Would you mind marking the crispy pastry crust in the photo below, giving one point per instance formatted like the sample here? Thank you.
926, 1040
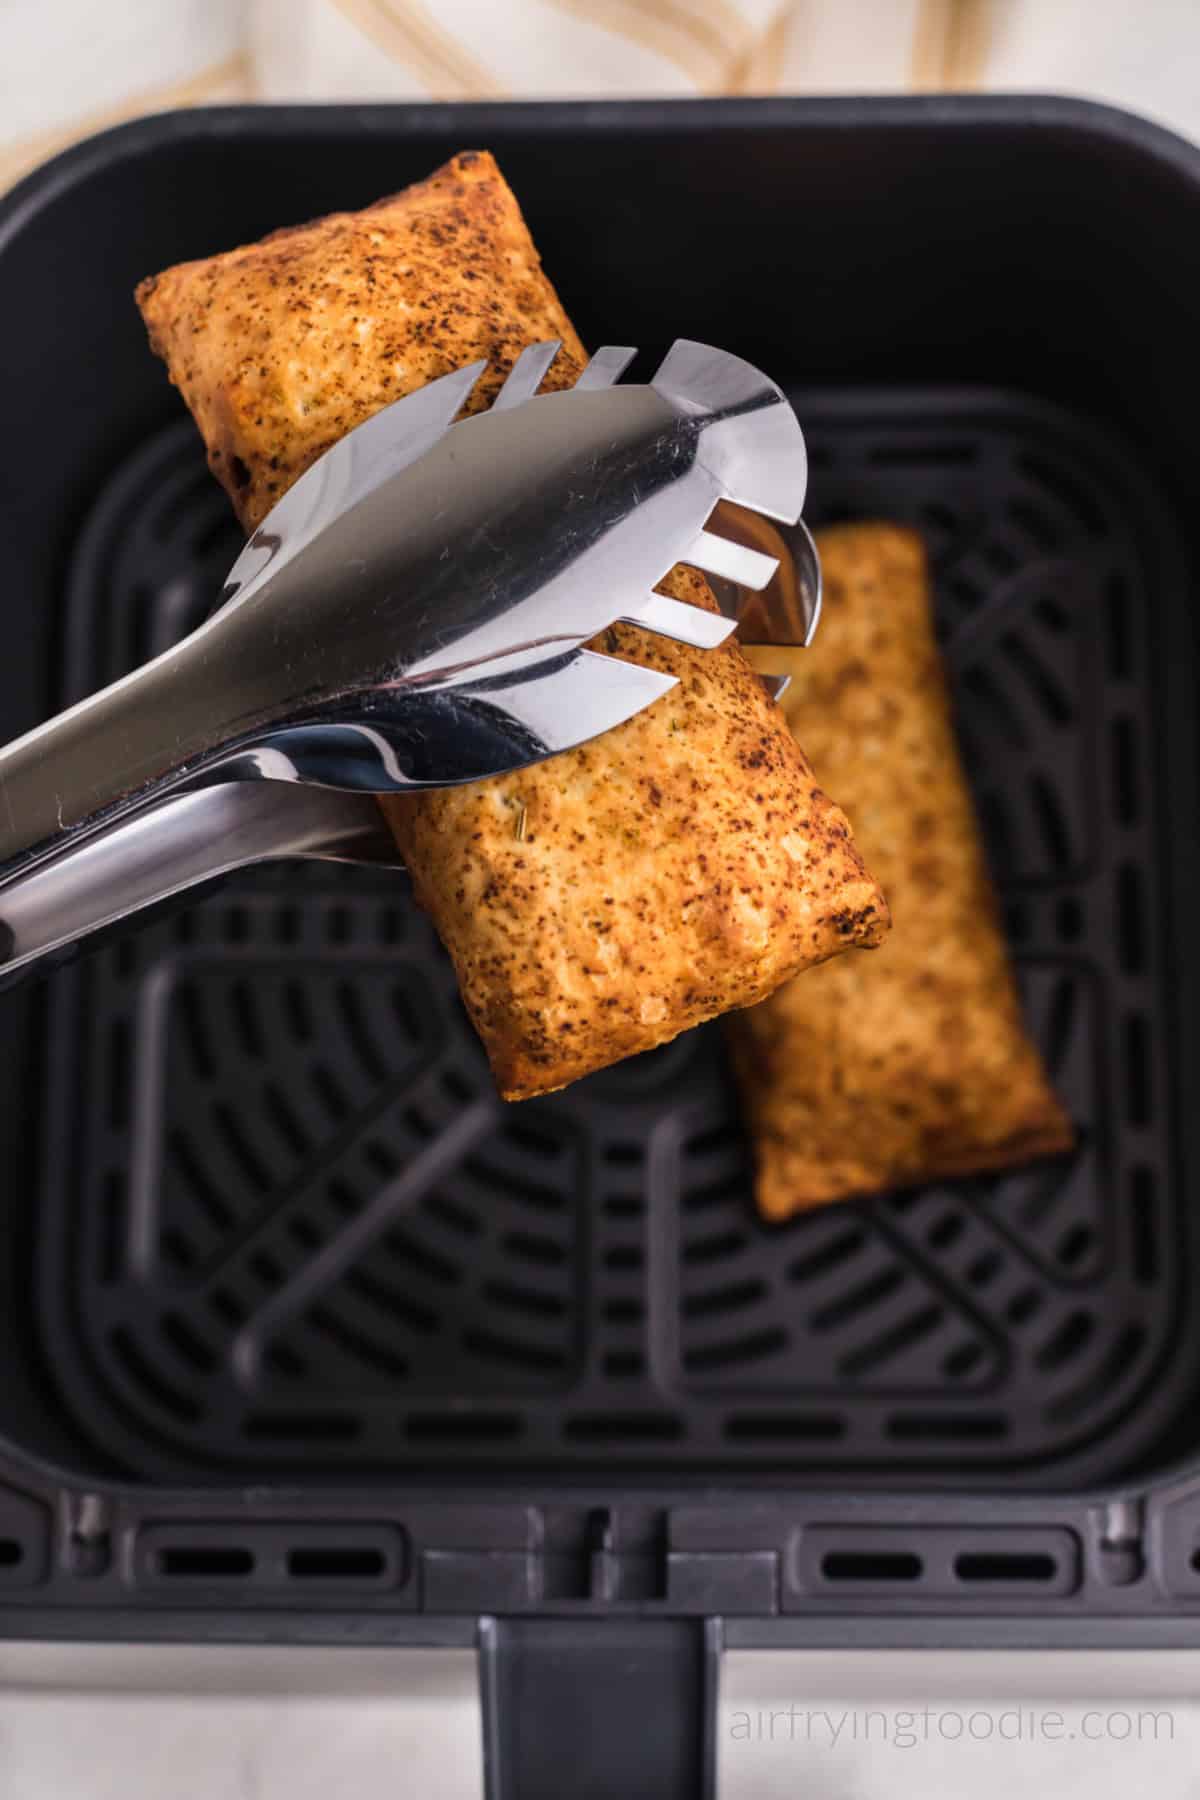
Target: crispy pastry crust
282, 347
913, 1064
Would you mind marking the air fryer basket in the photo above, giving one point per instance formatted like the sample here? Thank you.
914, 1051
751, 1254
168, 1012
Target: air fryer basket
304, 1332
286, 1223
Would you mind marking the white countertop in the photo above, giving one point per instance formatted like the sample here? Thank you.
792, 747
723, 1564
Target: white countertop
177, 1723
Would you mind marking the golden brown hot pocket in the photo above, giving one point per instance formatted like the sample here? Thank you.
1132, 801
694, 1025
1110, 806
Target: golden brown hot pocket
913, 1064
602, 902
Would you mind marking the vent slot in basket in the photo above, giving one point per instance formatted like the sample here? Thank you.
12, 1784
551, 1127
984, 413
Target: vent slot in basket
205, 1562
272, 1555
872, 1565
946, 1564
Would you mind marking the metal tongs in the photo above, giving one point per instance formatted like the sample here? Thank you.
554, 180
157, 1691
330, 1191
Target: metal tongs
412, 614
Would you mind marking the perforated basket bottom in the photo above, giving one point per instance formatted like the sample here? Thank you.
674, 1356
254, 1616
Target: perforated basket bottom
286, 1222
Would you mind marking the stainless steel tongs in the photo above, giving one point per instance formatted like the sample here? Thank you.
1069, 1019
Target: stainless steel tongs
413, 613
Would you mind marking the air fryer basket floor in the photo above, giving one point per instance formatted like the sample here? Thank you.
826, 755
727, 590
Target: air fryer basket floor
286, 1224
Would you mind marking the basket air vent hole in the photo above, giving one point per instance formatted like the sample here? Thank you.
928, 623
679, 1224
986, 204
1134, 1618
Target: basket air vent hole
963, 1427
381, 1161
872, 1565
1016, 921
211, 1562
623, 1156
1022, 1307
1126, 786
601, 1427
12, 1553
1145, 1237
750, 1348
818, 1262
781, 1427
1117, 611
336, 1563
455, 1217
237, 925
984, 1268
1068, 918
730, 1298
298, 1012
341, 1196
1074, 1245
287, 925
242, 1153
1060, 1026
1131, 920
461, 1427
623, 1258
1072, 1336
227, 1307
946, 1231
283, 1115
330, 1092
624, 1310
720, 1137
111, 1237
534, 1142
456, 1087
708, 1196
1137, 1070
303, 1232
405, 1248
1005, 1565
1039, 680
517, 1353
1052, 614
1052, 823
624, 1206
389, 925
715, 1248
532, 1247
264, 1265
516, 1297
301, 1428
959, 1362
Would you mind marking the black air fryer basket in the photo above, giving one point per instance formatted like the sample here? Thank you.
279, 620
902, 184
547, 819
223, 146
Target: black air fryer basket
305, 1334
